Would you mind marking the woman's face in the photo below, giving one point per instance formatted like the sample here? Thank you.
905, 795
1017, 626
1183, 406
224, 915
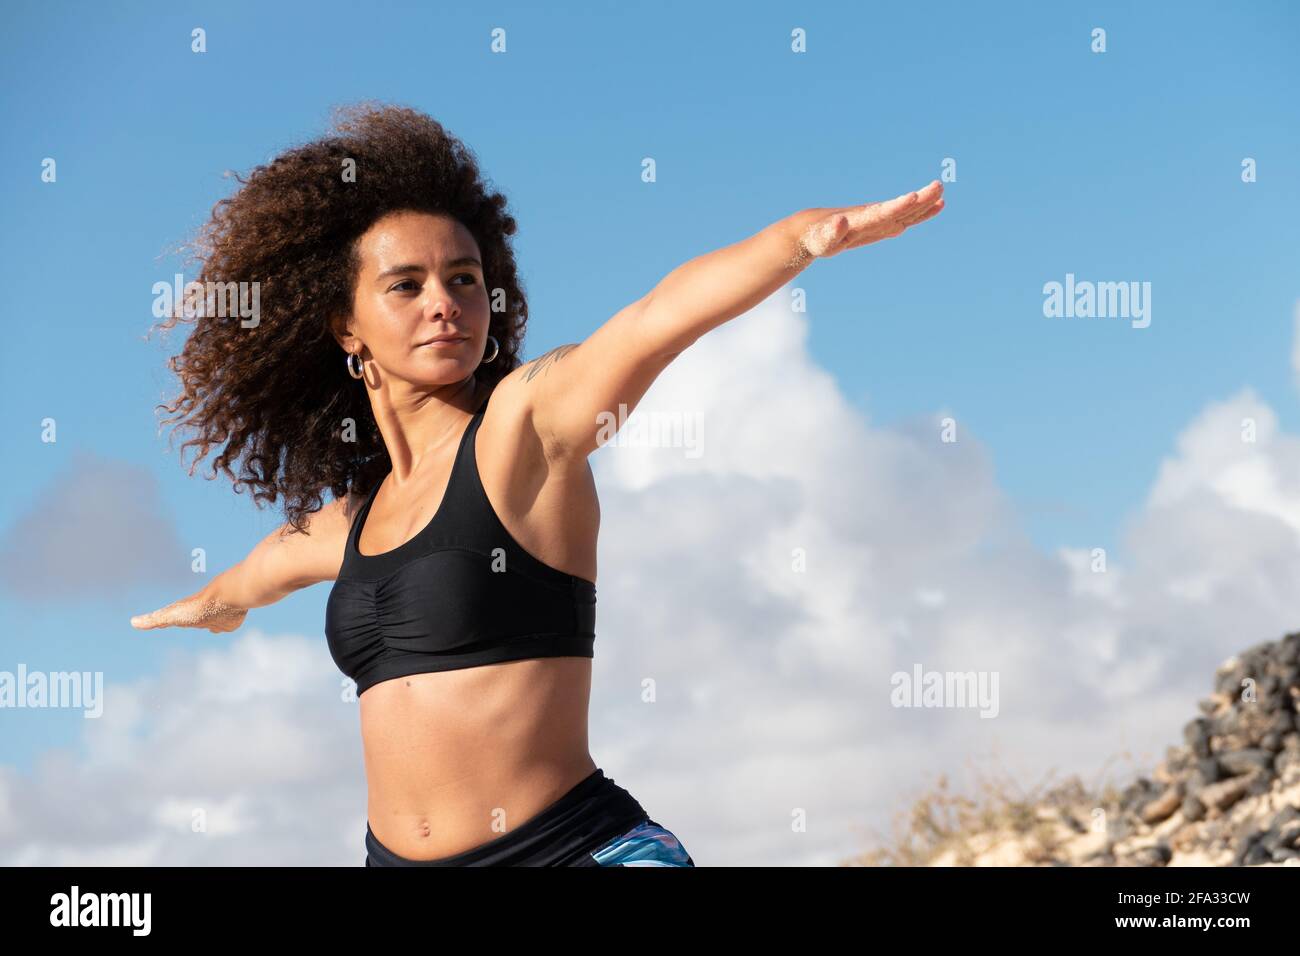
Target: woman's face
420, 277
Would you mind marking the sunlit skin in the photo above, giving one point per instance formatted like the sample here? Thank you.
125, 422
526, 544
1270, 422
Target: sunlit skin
442, 750
420, 277
446, 753
855, 226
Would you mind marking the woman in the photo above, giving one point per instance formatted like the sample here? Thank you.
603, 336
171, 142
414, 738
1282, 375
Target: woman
461, 538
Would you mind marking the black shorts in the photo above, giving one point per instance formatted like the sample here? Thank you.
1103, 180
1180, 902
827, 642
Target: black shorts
597, 823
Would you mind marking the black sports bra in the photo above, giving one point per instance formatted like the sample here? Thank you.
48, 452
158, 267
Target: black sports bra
461, 593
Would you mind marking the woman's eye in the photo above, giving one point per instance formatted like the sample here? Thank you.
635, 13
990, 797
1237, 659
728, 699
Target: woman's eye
413, 284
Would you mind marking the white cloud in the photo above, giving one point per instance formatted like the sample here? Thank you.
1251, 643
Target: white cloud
251, 735
96, 530
773, 685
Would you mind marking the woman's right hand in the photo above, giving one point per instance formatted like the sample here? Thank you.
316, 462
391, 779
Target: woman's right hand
201, 609
282, 563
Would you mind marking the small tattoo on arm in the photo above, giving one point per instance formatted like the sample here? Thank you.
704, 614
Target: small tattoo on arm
543, 362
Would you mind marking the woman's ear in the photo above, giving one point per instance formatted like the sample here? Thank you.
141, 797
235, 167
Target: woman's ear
340, 329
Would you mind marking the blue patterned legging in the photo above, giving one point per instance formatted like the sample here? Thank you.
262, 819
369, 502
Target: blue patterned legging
647, 844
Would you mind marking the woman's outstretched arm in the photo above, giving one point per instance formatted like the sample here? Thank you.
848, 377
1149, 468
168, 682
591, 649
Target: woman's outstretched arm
569, 388
281, 563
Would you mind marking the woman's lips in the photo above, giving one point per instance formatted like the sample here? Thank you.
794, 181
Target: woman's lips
443, 343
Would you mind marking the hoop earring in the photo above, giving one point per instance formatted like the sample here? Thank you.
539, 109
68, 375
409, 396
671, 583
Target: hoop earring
495, 349
359, 370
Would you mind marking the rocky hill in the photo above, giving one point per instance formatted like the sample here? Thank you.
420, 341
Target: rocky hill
1228, 795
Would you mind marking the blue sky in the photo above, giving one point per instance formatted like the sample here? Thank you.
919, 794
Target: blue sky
1115, 167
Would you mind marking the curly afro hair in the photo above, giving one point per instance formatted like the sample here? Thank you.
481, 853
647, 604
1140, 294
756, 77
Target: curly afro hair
277, 395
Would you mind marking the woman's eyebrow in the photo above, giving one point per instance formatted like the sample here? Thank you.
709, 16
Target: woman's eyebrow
413, 267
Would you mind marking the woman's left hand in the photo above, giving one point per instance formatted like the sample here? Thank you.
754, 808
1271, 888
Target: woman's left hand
853, 226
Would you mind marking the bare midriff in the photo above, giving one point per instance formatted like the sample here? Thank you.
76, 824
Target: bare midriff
455, 759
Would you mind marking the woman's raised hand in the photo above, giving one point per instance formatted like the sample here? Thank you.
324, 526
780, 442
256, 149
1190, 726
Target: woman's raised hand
200, 609
853, 226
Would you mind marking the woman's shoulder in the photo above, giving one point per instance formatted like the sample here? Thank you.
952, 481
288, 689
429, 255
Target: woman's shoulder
548, 505
511, 405
511, 451
336, 516
507, 423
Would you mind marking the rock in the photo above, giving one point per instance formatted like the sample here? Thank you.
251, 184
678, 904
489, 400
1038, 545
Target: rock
1260, 785
1137, 795
1230, 742
1252, 854
1197, 735
1229, 667
1100, 858
1281, 837
1281, 722
1163, 806
1228, 685
1285, 817
1072, 821
1258, 651
1227, 722
1238, 762
1228, 794
1193, 809
1288, 650
1207, 772
1158, 854
1214, 704
1179, 761
1220, 796
1284, 761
